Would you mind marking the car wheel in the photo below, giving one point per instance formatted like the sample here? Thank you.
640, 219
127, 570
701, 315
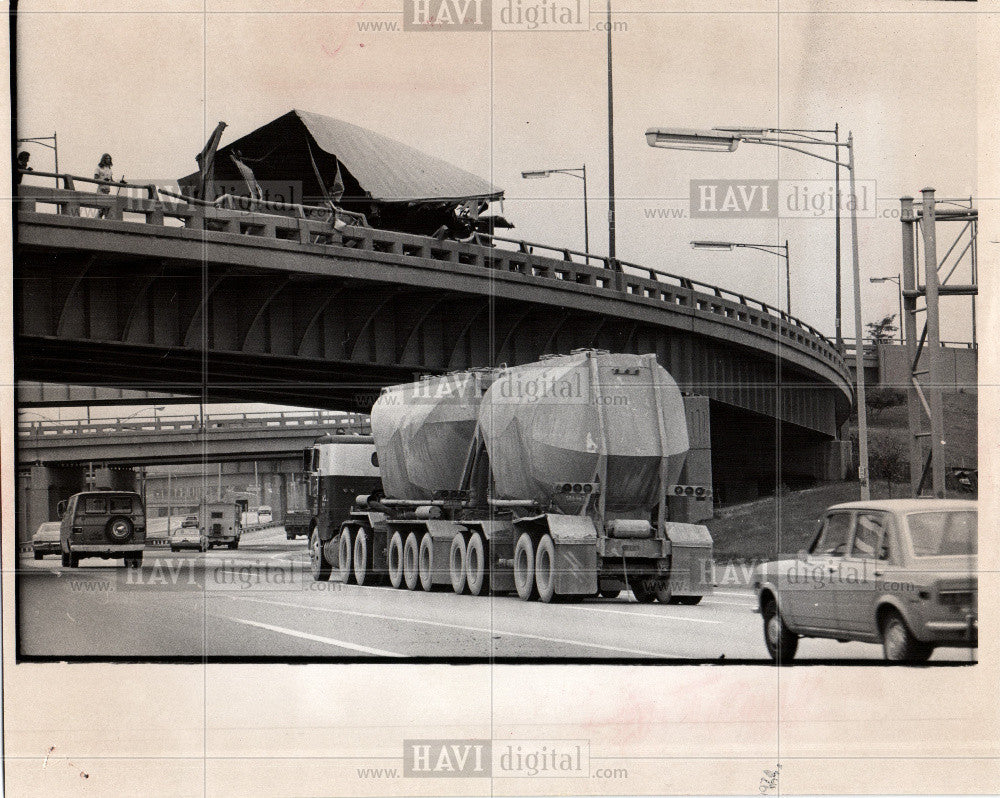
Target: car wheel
74, 560
781, 643
65, 559
38, 555
898, 642
320, 566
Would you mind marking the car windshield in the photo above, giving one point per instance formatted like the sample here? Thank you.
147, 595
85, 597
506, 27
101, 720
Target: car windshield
936, 534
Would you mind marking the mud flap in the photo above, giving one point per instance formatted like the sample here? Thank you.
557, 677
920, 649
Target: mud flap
441, 534
690, 558
575, 539
500, 540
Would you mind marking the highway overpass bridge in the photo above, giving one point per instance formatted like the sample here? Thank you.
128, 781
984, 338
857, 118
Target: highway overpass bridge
229, 305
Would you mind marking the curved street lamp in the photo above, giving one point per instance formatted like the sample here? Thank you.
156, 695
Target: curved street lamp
801, 141
579, 172
781, 250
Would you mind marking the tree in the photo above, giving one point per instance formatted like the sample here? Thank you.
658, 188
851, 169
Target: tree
883, 331
886, 459
878, 399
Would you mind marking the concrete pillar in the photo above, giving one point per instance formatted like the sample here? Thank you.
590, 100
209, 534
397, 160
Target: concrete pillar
46, 487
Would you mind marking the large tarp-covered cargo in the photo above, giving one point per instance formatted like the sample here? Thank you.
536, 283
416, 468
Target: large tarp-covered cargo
550, 422
422, 434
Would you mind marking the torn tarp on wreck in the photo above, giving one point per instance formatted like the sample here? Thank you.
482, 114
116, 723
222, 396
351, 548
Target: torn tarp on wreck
395, 186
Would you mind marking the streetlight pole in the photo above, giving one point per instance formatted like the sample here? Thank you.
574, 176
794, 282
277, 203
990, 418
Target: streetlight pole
781, 250
579, 172
801, 141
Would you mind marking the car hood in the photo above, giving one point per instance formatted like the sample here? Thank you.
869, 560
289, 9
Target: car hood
951, 565
46, 536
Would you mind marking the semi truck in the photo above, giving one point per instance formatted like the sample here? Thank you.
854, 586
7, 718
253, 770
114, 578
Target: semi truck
549, 480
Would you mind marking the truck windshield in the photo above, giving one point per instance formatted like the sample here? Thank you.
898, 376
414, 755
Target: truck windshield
936, 534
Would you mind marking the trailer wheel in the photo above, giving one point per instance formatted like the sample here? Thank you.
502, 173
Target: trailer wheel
477, 569
524, 568
458, 562
545, 568
317, 560
425, 563
610, 592
411, 557
396, 560
345, 548
362, 569
644, 590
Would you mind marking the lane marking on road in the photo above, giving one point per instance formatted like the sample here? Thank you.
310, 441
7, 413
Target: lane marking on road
315, 638
485, 630
641, 614
750, 603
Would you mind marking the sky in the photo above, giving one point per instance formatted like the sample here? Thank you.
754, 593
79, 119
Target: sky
150, 87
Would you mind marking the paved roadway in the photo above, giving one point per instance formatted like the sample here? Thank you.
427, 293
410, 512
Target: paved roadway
260, 601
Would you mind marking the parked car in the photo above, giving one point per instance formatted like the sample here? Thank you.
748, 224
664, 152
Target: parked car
900, 572
46, 539
191, 520
110, 524
188, 537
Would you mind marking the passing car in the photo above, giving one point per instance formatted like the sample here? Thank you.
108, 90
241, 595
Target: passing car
188, 536
900, 572
110, 524
46, 539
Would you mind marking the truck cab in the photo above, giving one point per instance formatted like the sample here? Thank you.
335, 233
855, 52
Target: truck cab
109, 524
221, 523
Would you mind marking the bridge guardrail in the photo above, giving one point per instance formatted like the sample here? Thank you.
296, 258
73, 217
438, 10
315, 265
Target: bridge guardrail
192, 423
492, 252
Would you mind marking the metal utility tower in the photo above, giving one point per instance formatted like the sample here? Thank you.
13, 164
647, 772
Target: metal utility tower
920, 220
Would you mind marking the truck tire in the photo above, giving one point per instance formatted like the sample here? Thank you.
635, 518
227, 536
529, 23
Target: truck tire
458, 563
411, 557
477, 565
545, 569
524, 568
318, 563
362, 557
664, 594
644, 589
396, 560
345, 548
688, 600
425, 563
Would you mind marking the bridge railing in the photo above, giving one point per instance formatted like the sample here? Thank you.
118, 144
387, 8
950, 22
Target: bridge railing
320, 421
498, 253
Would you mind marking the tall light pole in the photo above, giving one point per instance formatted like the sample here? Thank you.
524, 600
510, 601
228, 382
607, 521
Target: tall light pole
781, 250
801, 141
44, 142
898, 280
579, 172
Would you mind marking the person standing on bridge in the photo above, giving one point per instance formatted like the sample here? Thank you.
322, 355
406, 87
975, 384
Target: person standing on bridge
103, 174
22, 164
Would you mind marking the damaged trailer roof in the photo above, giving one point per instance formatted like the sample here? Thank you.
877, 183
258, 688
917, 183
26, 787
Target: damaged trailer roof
373, 166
